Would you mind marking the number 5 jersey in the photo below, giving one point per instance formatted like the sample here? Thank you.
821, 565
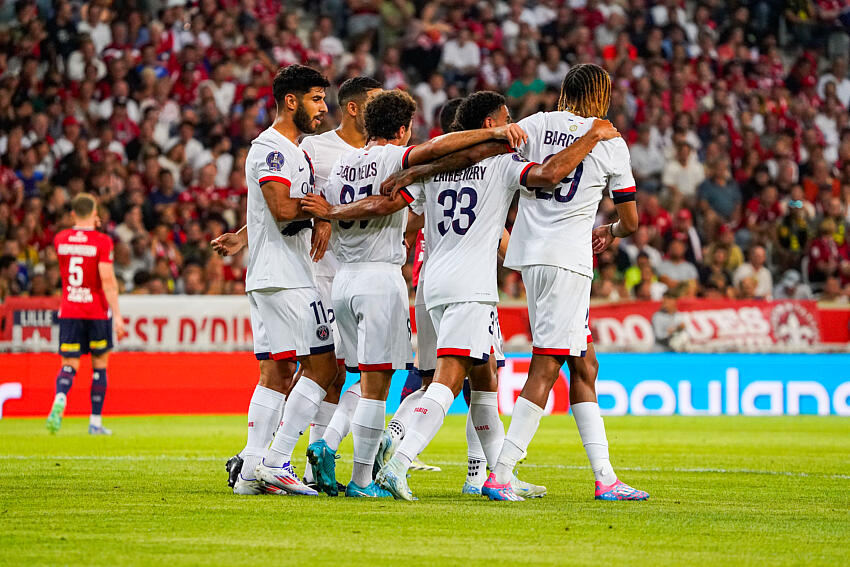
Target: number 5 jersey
80, 250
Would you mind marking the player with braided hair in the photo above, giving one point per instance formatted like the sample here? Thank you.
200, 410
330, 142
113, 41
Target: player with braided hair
552, 244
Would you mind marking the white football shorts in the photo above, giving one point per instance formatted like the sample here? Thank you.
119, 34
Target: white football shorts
373, 316
324, 285
465, 329
426, 336
558, 310
289, 323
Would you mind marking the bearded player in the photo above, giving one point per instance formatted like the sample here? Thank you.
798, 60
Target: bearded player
324, 150
89, 292
288, 319
557, 276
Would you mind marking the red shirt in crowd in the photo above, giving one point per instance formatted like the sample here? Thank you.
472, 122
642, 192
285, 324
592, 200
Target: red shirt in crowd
80, 252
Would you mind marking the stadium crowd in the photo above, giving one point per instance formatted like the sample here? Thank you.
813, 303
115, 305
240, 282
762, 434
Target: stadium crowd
736, 114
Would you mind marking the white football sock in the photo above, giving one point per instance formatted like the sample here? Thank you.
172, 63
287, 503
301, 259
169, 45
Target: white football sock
428, 417
367, 425
592, 431
524, 422
263, 419
476, 461
317, 431
96, 420
401, 420
484, 410
302, 404
340, 423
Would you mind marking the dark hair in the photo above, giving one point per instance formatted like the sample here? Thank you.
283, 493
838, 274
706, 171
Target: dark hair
586, 91
355, 89
83, 205
297, 80
447, 114
388, 112
7, 260
475, 109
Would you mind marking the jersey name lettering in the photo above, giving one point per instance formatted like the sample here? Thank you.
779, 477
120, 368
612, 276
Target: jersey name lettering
555, 138
472, 172
352, 174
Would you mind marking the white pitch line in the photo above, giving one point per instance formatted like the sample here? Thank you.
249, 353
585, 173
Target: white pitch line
181, 458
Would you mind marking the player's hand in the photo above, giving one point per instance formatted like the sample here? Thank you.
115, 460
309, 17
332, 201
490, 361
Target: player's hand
227, 244
316, 205
396, 182
602, 238
120, 328
604, 129
512, 133
320, 239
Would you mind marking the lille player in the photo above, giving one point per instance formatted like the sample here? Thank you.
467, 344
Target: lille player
89, 292
370, 296
557, 277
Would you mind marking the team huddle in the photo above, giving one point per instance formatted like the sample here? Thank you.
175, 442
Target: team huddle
328, 226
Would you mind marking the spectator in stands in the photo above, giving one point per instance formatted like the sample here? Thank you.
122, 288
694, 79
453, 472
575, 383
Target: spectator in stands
683, 227
668, 325
647, 161
639, 244
757, 270
681, 176
791, 287
676, 272
719, 195
832, 292
825, 259
714, 274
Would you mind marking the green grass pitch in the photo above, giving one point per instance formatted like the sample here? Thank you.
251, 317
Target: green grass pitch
725, 491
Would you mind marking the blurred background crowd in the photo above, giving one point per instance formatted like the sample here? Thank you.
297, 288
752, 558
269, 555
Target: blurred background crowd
736, 115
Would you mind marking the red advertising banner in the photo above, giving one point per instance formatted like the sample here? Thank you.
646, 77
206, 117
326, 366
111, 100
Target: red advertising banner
222, 323
711, 326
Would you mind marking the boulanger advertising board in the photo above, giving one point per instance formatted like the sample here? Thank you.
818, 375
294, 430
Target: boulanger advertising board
629, 384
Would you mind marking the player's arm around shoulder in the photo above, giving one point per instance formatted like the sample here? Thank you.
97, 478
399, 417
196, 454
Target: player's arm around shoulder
553, 170
455, 141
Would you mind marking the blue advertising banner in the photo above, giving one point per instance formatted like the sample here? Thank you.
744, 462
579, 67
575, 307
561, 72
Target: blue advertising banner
692, 384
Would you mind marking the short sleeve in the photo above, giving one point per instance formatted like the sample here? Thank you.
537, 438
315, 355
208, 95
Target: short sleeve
621, 180
104, 250
414, 194
272, 165
531, 126
511, 171
331, 189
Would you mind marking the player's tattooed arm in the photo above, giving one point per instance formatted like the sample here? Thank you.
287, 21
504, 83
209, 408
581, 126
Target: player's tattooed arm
553, 170
456, 141
367, 208
452, 162
230, 243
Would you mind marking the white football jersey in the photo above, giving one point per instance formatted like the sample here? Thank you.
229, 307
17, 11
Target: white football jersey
324, 150
355, 176
554, 226
278, 252
465, 213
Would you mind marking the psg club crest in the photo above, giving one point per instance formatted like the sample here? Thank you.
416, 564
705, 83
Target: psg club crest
518, 157
275, 161
323, 332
